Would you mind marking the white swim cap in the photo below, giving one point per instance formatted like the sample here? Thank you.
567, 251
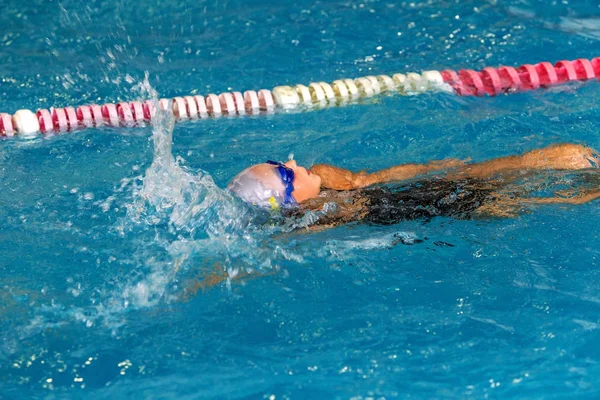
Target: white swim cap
259, 185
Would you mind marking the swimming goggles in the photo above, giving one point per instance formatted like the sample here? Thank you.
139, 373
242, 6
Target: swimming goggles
287, 177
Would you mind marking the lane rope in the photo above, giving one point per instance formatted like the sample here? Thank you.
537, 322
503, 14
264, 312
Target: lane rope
489, 81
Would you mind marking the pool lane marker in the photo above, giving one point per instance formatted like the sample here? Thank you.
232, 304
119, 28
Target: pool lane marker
489, 81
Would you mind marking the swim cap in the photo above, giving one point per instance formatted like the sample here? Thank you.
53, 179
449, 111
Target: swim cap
260, 187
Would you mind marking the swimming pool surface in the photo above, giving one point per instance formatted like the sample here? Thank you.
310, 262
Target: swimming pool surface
103, 252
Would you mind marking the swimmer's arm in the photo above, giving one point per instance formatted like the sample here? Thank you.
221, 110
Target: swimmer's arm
565, 156
218, 276
343, 179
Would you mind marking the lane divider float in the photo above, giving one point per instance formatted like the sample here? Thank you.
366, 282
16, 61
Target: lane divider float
489, 81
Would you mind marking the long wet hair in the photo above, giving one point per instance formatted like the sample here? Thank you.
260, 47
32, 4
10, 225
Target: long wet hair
390, 204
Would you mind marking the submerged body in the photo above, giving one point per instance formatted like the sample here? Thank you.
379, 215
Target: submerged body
327, 196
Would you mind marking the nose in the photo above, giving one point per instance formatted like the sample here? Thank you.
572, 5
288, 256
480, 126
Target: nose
291, 164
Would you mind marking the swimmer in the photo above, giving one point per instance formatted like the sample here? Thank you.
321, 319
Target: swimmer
451, 188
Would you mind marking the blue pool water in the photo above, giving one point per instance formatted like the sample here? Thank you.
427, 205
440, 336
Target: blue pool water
103, 252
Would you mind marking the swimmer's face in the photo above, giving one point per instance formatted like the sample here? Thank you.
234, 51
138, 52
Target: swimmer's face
306, 184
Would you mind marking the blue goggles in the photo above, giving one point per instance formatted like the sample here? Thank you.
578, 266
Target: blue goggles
287, 177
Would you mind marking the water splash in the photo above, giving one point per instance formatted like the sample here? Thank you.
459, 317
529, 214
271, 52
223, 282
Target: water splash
188, 201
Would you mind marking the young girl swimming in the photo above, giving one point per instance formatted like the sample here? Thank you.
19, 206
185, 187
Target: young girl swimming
458, 189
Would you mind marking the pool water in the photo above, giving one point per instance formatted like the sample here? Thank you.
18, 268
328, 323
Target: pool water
116, 248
